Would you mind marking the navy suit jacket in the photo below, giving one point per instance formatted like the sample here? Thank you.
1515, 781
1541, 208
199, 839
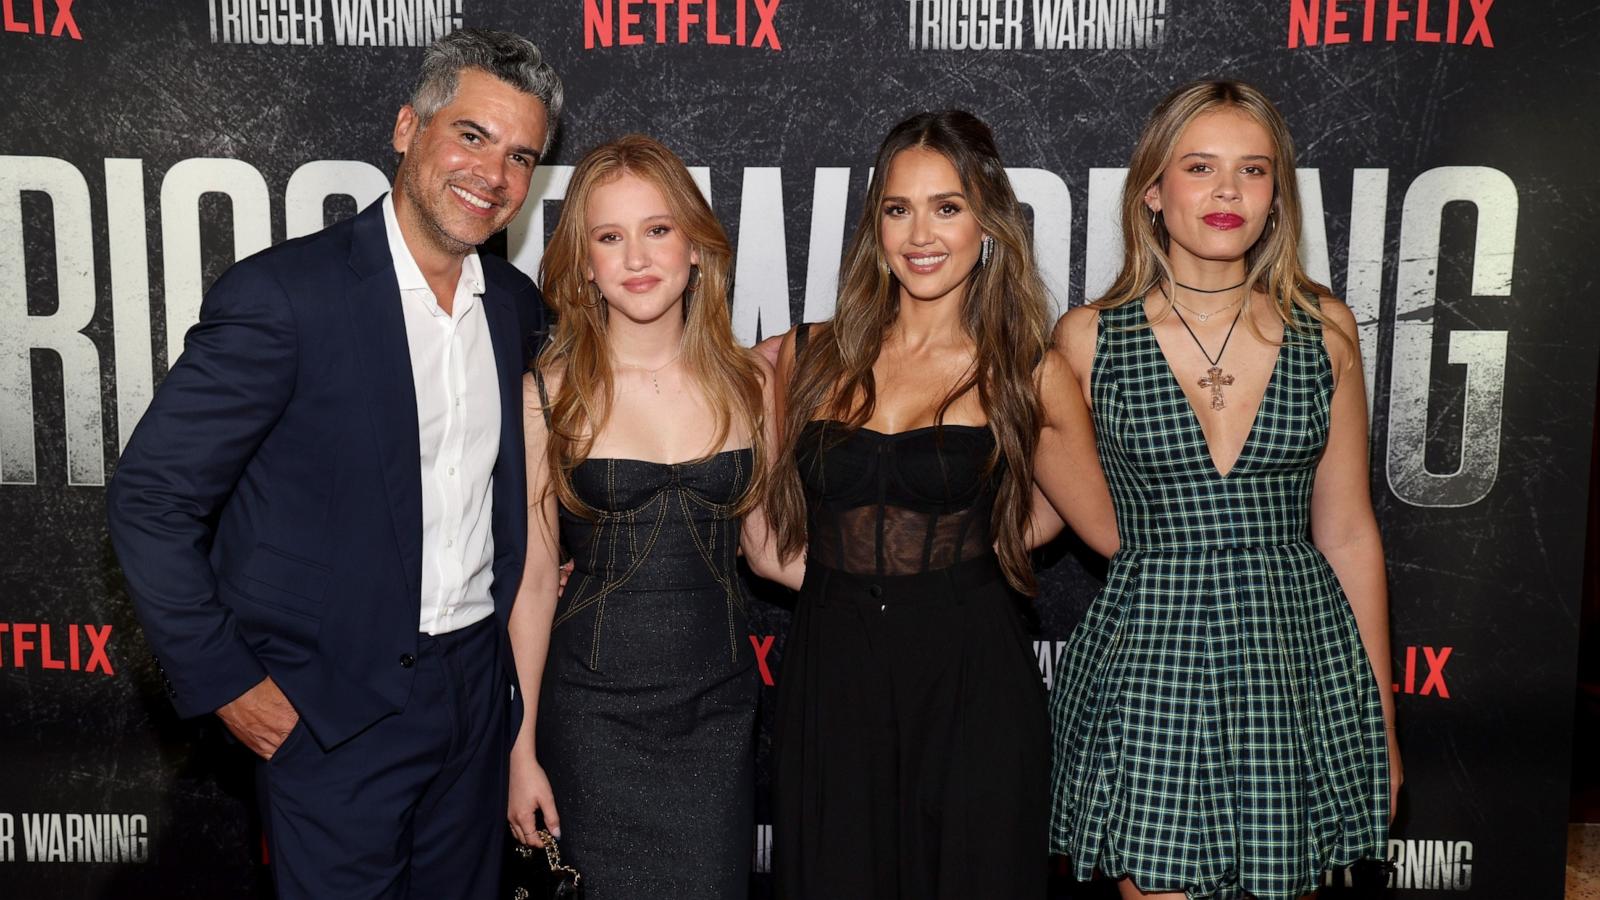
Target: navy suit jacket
267, 511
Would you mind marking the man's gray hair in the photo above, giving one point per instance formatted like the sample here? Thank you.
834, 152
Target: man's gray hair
509, 57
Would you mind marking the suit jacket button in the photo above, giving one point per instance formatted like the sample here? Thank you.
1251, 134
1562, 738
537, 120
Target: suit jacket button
407, 660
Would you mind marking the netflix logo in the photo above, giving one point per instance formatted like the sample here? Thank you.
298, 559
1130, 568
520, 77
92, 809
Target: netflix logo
29, 17
719, 23
763, 644
1463, 22
1411, 679
71, 648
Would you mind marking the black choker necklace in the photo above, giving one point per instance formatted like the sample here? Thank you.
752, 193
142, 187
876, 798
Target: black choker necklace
1231, 287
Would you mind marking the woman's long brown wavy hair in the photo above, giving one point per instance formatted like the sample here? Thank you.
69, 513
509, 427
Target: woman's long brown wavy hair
1006, 312
1272, 264
578, 350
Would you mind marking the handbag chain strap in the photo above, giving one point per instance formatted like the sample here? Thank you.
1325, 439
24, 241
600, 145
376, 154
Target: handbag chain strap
552, 856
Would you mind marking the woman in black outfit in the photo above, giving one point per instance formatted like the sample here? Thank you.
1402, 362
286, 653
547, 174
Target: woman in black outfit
912, 744
648, 435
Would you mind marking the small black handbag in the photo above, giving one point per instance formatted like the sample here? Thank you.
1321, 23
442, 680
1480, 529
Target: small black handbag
534, 874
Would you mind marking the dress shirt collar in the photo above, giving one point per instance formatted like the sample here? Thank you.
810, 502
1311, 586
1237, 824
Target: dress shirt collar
406, 271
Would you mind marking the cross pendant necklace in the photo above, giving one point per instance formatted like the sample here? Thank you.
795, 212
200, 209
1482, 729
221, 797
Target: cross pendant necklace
1214, 380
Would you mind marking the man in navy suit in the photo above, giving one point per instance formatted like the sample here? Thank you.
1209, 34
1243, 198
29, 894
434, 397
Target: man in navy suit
322, 517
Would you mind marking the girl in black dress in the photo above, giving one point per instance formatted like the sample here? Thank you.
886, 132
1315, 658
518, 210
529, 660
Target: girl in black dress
646, 434
912, 744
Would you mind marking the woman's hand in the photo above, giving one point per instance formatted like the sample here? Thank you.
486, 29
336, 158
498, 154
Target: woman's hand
769, 348
530, 794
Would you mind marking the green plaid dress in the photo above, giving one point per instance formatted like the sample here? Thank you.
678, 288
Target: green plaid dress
1217, 725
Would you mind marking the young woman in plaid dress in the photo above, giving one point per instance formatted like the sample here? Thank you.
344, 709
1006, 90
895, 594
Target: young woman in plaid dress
1222, 728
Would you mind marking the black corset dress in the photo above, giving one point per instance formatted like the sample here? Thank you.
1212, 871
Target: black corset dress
912, 745
647, 708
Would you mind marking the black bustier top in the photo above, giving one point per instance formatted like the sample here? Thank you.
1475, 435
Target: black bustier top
897, 504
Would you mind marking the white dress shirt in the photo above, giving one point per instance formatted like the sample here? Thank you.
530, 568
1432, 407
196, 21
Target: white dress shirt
458, 416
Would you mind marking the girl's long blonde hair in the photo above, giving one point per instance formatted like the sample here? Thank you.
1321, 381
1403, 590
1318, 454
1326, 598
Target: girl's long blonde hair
578, 350
1272, 264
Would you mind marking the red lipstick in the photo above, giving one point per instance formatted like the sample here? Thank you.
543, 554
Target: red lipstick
1224, 221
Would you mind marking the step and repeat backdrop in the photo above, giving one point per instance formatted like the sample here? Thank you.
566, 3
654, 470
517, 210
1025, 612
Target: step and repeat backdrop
1451, 198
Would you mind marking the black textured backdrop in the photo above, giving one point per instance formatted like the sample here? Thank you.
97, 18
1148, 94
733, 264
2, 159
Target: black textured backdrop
1485, 351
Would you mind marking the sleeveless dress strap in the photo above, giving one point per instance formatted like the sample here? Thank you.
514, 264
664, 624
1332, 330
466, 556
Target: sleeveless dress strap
544, 394
801, 333
1118, 325
1304, 323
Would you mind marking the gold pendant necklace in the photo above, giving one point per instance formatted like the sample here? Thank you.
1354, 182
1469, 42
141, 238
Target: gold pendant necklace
657, 370
1205, 317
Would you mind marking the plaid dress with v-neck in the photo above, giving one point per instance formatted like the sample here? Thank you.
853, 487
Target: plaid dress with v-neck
1218, 729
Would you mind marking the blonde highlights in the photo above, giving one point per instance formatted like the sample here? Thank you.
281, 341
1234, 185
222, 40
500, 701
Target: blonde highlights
578, 350
1272, 264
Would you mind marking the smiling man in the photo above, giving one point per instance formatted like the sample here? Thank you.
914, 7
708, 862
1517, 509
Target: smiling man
322, 516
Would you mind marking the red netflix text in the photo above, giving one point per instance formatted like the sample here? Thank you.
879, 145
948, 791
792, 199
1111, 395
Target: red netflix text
763, 645
1408, 672
1424, 21
28, 17
73, 648
630, 23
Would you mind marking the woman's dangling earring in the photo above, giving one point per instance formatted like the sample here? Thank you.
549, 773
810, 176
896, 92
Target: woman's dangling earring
599, 298
987, 249
1154, 215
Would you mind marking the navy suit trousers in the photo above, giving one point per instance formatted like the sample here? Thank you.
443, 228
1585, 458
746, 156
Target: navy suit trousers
412, 807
